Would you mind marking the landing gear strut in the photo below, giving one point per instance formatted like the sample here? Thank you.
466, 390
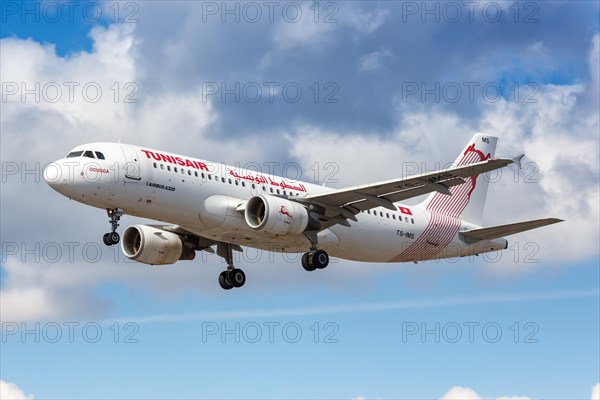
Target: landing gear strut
232, 277
314, 259
112, 237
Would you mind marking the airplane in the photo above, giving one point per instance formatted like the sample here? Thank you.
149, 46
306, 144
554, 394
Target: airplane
204, 205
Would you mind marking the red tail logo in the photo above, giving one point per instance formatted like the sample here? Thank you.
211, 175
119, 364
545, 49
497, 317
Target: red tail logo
482, 157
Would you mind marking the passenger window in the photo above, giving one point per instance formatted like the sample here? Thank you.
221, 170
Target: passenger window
175, 169
271, 190
229, 180
381, 213
405, 219
209, 177
162, 166
253, 186
75, 154
278, 192
89, 154
264, 189
368, 211
387, 215
243, 184
100, 155
412, 220
223, 179
196, 174
393, 216
201, 174
154, 165
168, 168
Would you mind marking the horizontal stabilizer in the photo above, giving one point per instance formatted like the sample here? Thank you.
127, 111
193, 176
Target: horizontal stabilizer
495, 232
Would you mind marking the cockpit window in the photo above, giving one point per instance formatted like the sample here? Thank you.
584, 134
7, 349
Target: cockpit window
100, 155
89, 153
75, 154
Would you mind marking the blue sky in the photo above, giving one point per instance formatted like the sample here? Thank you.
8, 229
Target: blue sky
378, 84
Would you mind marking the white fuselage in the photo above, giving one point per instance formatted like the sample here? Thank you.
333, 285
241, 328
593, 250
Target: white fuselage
201, 197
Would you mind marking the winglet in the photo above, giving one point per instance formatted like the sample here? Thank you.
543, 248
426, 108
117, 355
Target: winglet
518, 159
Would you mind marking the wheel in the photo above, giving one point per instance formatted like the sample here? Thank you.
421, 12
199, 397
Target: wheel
320, 259
224, 281
306, 262
237, 277
114, 237
106, 239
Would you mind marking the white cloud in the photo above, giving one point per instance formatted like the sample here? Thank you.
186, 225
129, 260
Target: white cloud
464, 393
374, 61
596, 392
460, 393
369, 21
10, 391
303, 31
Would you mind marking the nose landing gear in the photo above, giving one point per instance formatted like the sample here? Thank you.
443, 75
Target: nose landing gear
112, 237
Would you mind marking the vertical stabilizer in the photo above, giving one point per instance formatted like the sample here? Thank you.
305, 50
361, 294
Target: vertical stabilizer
468, 199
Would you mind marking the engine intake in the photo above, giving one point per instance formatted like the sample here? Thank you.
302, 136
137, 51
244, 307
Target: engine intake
277, 216
154, 246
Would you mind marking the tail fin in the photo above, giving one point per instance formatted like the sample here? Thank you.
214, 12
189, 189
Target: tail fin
467, 199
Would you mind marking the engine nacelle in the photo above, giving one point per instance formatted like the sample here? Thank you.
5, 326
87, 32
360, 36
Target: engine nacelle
154, 246
275, 215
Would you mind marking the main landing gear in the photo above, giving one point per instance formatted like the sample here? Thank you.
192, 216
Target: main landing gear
232, 277
317, 259
112, 237
314, 259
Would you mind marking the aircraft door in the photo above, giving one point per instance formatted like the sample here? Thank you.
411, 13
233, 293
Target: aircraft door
132, 163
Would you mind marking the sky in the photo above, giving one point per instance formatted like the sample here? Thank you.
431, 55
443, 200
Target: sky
346, 93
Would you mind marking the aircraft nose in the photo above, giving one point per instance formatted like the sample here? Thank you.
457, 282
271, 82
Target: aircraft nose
55, 175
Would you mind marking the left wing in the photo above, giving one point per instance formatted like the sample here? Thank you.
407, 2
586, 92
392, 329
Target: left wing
344, 204
495, 232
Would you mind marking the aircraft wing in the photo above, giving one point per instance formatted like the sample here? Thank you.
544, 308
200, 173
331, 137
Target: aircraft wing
345, 203
495, 232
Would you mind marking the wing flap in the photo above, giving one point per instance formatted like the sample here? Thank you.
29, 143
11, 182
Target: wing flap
495, 232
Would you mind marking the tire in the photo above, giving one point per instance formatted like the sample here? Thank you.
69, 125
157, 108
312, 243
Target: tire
106, 239
237, 278
114, 237
306, 262
320, 259
224, 281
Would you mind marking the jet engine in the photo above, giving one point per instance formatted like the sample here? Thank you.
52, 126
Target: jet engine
277, 216
154, 246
